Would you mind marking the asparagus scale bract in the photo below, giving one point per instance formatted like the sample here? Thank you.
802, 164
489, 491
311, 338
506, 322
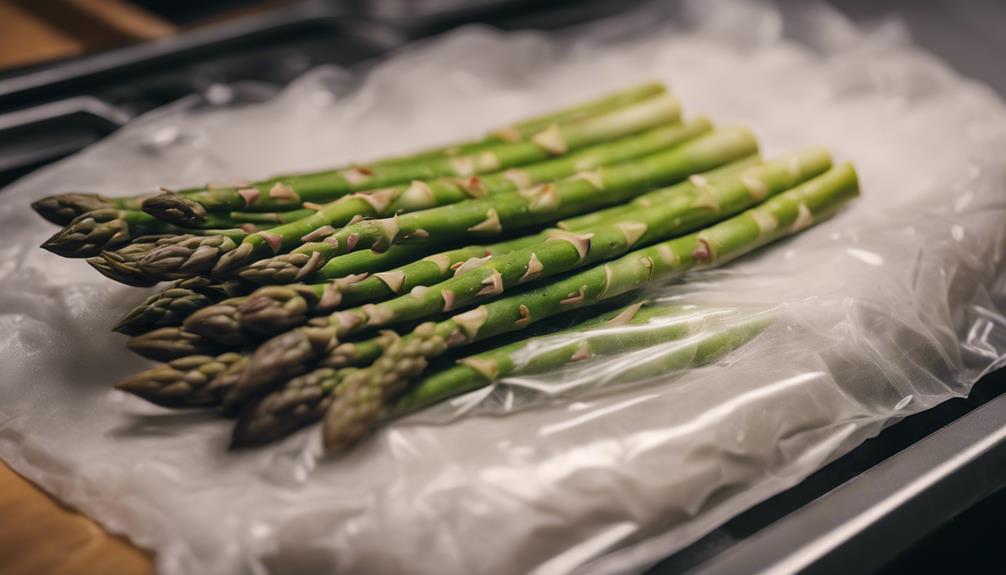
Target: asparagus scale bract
362, 396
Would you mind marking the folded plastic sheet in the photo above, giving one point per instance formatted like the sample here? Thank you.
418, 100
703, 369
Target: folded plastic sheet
891, 307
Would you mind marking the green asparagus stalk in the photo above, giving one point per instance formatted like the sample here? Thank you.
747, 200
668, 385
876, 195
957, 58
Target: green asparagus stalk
306, 259
416, 196
512, 211
273, 310
527, 128
555, 140
288, 270
278, 308
63, 208
701, 344
360, 399
303, 399
173, 304
91, 233
692, 205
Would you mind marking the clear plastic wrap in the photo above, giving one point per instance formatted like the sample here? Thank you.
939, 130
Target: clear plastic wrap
889, 308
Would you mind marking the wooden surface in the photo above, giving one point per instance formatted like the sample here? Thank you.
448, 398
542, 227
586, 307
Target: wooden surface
38, 536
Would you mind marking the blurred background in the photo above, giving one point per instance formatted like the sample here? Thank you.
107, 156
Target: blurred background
73, 71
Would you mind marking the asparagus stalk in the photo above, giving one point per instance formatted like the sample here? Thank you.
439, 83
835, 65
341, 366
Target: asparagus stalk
278, 195
512, 211
273, 310
63, 208
700, 344
309, 257
173, 304
691, 205
419, 195
288, 270
107, 229
360, 399
276, 308
527, 128
303, 399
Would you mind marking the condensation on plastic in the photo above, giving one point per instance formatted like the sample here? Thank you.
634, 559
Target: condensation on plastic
891, 307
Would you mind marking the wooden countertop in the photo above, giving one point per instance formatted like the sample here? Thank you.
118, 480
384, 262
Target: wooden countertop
40, 536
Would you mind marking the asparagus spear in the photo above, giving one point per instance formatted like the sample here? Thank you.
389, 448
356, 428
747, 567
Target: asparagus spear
174, 303
418, 195
511, 211
309, 257
107, 229
287, 270
701, 345
691, 205
286, 355
528, 128
62, 208
360, 399
303, 399
557, 139
272, 310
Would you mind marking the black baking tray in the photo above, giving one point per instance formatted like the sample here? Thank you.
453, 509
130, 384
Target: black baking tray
861, 510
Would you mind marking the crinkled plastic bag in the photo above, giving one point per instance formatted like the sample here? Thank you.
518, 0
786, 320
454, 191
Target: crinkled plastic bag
891, 307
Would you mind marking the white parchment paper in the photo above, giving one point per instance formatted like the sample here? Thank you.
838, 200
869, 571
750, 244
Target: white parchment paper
891, 307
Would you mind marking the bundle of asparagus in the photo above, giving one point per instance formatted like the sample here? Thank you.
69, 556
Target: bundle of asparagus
362, 293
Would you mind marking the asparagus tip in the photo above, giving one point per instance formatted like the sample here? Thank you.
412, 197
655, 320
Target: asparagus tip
61, 209
120, 269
